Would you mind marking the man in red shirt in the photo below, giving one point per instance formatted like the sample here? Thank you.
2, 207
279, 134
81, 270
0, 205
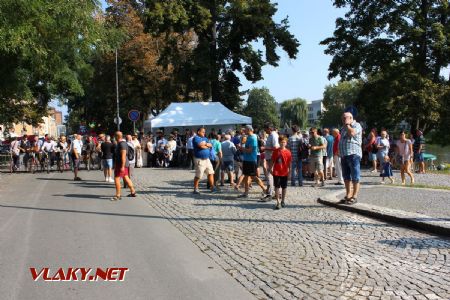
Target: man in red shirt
336, 157
280, 169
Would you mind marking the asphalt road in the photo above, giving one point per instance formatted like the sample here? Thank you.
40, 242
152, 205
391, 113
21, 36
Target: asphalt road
51, 221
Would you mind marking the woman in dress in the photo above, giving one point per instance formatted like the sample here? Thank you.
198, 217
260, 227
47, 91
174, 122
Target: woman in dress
137, 151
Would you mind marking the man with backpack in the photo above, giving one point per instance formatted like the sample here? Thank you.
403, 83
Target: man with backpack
121, 167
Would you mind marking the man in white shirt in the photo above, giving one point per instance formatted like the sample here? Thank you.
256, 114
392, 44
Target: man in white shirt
49, 147
76, 147
271, 145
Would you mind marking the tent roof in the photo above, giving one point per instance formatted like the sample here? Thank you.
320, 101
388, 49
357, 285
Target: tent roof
197, 114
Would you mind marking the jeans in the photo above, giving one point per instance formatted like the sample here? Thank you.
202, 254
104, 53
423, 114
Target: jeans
351, 167
296, 167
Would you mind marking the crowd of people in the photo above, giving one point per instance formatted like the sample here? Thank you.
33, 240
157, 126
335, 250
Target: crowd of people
244, 156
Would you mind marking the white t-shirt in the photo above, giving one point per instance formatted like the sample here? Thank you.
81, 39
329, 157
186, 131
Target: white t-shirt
49, 146
272, 142
131, 145
77, 145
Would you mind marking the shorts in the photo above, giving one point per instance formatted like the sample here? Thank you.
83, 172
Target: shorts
227, 166
280, 181
76, 162
315, 164
372, 156
249, 168
203, 166
118, 173
330, 163
107, 163
418, 157
351, 167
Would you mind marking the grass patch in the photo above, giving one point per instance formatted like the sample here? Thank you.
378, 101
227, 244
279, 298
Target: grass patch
424, 186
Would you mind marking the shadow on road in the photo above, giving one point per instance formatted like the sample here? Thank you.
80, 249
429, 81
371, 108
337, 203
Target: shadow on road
416, 243
84, 196
178, 219
257, 205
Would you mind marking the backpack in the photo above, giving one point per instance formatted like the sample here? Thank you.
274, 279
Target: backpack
303, 150
130, 153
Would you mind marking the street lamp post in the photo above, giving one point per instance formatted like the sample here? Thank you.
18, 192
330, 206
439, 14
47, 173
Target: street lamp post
117, 96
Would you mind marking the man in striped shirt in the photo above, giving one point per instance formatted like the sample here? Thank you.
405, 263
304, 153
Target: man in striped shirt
350, 152
296, 167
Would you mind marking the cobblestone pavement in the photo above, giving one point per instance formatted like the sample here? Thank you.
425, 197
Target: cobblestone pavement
305, 250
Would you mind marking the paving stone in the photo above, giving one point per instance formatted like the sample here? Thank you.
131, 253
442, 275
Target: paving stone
304, 251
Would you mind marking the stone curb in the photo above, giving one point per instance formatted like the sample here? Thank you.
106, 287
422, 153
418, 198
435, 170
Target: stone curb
412, 220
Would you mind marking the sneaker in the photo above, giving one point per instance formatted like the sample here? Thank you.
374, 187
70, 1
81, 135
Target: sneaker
382, 182
196, 192
277, 206
339, 183
316, 184
111, 180
265, 198
283, 204
243, 196
77, 179
322, 183
215, 191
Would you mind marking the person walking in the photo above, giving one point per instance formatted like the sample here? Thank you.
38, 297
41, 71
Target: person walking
350, 152
419, 149
190, 150
107, 150
202, 149
249, 164
271, 145
293, 145
336, 158
131, 158
282, 161
405, 151
386, 170
217, 162
372, 149
137, 151
121, 167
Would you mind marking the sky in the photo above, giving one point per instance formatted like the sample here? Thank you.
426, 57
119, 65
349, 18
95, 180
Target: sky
311, 21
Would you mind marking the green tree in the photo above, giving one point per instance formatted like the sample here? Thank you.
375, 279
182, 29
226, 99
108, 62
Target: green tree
262, 107
294, 112
44, 52
401, 49
336, 98
225, 32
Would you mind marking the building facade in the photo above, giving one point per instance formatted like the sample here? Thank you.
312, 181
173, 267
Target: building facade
315, 110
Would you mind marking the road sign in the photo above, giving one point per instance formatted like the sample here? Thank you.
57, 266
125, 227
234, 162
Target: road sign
134, 115
120, 120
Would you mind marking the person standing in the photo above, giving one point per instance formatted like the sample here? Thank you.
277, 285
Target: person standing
107, 150
293, 145
190, 150
150, 152
250, 164
15, 152
217, 162
405, 151
131, 158
336, 158
121, 167
202, 149
271, 145
372, 149
419, 149
329, 158
316, 146
282, 160
228, 152
350, 152
76, 147
137, 151
383, 146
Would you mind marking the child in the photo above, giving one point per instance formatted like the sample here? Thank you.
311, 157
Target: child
280, 169
167, 156
386, 170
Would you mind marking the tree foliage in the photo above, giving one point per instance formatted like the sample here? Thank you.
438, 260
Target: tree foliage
225, 32
336, 98
44, 48
262, 107
400, 49
294, 112
144, 84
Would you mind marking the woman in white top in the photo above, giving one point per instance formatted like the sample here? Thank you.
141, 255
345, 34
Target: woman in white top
405, 150
137, 151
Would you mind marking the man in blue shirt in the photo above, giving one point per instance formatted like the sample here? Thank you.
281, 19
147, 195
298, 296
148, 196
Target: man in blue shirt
329, 158
202, 150
250, 162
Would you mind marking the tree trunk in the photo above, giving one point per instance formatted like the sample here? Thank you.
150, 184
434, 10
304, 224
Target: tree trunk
214, 69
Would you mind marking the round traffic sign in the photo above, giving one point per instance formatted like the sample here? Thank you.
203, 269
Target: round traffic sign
134, 115
120, 120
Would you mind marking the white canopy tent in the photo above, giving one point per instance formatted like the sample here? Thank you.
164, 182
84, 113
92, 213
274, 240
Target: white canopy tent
197, 114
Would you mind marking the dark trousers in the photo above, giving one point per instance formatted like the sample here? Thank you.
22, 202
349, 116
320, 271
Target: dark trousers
191, 163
